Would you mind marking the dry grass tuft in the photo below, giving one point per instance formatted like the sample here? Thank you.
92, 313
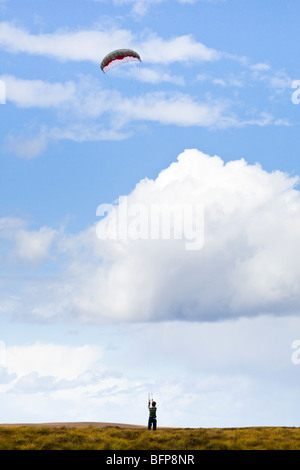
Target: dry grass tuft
121, 438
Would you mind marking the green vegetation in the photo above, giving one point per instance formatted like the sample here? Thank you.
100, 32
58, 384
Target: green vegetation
116, 438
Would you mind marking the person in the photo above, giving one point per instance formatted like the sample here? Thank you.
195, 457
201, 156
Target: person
152, 415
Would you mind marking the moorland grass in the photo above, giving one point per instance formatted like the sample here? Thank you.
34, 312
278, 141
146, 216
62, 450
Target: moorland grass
116, 438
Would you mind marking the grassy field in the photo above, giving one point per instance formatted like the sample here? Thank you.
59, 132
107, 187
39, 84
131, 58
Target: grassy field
118, 438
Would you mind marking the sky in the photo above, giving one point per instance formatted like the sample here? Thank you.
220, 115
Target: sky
150, 215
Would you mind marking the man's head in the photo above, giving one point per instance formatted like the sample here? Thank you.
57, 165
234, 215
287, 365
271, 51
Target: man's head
153, 403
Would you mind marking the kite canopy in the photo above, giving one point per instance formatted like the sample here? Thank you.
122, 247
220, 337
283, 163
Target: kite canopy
118, 57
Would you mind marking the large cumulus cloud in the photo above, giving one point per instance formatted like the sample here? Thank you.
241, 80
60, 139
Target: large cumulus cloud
248, 264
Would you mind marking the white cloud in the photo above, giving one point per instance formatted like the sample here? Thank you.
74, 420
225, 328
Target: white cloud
87, 99
175, 109
277, 80
260, 67
63, 45
248, 264
38, 93
179, 49
32, 246
232, 81
141, 7
78, 106
26, 147
93, 45
153, 75
57, 382
59, 361
87, 111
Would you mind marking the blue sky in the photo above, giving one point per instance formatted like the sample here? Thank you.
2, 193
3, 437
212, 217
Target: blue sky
206, 119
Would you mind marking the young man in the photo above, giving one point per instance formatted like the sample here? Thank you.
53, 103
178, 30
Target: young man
152, 415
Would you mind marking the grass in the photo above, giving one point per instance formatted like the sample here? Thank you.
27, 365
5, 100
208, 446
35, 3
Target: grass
115, 438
